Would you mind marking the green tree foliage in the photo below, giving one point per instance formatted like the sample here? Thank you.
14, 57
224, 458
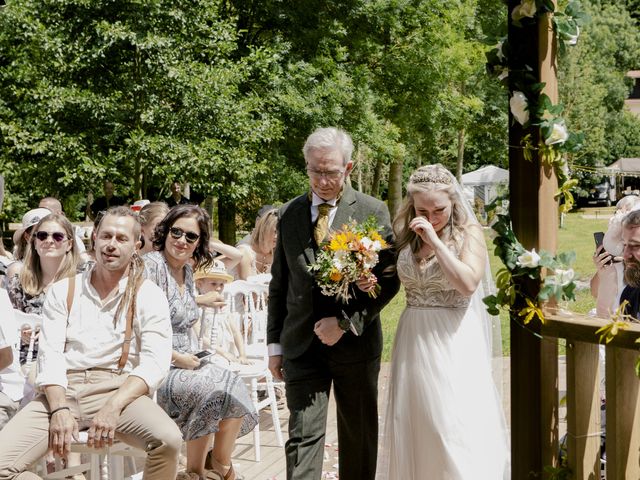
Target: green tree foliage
139, 92
593, 84
222, 93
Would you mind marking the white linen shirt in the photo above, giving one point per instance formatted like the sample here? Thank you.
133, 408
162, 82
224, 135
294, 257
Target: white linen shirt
11, 378
92, 340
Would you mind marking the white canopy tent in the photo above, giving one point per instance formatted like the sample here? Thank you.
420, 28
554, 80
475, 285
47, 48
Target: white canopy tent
484, 182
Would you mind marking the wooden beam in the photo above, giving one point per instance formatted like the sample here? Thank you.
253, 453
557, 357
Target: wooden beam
583, 329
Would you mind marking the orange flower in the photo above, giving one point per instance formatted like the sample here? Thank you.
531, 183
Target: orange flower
335, 275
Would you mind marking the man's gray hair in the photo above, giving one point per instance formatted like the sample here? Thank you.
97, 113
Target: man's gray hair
329, 138
632, 219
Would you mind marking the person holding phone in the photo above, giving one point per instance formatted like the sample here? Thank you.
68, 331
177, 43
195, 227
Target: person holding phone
203, 398
608, 281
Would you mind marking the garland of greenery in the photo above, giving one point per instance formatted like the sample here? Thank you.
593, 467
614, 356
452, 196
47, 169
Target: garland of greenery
532, 108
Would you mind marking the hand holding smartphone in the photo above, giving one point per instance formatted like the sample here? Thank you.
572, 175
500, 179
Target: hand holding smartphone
599, 238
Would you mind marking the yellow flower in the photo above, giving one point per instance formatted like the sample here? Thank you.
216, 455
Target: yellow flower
338, 242
335, 275
530, 311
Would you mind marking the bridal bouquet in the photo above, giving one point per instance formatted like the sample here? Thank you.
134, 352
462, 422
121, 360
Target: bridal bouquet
348, 255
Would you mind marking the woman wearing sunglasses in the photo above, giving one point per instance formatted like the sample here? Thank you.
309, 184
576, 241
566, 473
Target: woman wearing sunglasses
204, 399
50, 255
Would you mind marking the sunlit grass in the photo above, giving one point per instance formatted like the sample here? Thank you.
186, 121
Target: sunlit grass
576, 235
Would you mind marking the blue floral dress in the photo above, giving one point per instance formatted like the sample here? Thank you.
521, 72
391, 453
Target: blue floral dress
197, 400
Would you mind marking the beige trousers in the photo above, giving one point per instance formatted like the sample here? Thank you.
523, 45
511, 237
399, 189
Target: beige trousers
8, 409
142, 424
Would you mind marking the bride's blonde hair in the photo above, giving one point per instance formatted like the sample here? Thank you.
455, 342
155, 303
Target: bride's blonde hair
425, 179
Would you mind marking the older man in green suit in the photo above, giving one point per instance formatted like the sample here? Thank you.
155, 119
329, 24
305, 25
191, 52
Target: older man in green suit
316, 341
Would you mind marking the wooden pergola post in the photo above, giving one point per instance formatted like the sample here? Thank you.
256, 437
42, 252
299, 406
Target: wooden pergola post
534, 213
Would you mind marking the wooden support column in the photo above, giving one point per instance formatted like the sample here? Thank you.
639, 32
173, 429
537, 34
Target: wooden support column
583, 409
623, 414
534, 213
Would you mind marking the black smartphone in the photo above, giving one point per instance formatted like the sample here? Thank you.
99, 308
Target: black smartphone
203, 353
598, 237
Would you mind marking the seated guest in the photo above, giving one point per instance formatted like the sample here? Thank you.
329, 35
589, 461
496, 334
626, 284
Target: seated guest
91, 371
11, 378
51, 255
22, 236
150, 216
203, 398
219, 330
55, 206
258, 254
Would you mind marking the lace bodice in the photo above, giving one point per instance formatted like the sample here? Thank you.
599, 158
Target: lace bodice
425, 284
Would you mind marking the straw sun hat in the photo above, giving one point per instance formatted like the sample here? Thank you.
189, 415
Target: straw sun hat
216, 271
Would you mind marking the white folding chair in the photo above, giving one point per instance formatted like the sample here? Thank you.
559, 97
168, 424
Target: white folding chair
250, 300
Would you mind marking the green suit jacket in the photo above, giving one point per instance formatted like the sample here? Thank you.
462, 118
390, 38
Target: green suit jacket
295, 300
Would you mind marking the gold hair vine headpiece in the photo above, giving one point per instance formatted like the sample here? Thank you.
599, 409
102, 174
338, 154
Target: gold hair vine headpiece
430, 177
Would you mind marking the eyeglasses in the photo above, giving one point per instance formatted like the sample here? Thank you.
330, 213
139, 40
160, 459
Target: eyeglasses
56, 236
330, 175
177, 233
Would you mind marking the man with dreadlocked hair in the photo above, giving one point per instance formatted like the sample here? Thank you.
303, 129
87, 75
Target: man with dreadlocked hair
105, 346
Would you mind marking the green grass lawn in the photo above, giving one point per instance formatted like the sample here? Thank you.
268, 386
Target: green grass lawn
576, 235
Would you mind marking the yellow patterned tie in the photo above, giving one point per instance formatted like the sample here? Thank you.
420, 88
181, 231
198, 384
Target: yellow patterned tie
322, 224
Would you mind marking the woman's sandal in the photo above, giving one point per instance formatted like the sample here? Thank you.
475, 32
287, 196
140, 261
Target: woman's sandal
213, 468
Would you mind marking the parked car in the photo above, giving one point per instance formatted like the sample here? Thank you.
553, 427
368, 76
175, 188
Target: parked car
603, 193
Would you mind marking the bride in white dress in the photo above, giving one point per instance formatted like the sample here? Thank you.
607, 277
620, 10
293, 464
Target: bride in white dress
444, 419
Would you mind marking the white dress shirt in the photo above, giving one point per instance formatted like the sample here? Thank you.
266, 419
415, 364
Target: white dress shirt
315, 201
11, 378
90, 340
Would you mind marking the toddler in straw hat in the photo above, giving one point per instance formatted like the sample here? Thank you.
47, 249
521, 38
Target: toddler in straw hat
219, 330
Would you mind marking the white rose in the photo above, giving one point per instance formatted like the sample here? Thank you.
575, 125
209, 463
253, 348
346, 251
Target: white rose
527, 8
558, 135
529, 259
564, 277
519, 104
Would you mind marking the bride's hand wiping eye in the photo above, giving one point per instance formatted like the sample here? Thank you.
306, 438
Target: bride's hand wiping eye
424, 230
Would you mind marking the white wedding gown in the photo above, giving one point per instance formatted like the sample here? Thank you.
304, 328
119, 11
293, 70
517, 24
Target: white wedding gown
444, 417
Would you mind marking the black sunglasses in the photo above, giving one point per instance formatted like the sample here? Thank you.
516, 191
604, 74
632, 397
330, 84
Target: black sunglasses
56, 236
177, 233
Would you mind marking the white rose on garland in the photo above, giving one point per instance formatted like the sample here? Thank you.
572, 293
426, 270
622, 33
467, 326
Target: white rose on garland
559, 134
519, 106
561, 278
529, 259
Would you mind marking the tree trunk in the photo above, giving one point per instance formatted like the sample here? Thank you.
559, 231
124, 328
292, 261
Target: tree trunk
377, 173
395, 186
137, 180
460, 163
227, 220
